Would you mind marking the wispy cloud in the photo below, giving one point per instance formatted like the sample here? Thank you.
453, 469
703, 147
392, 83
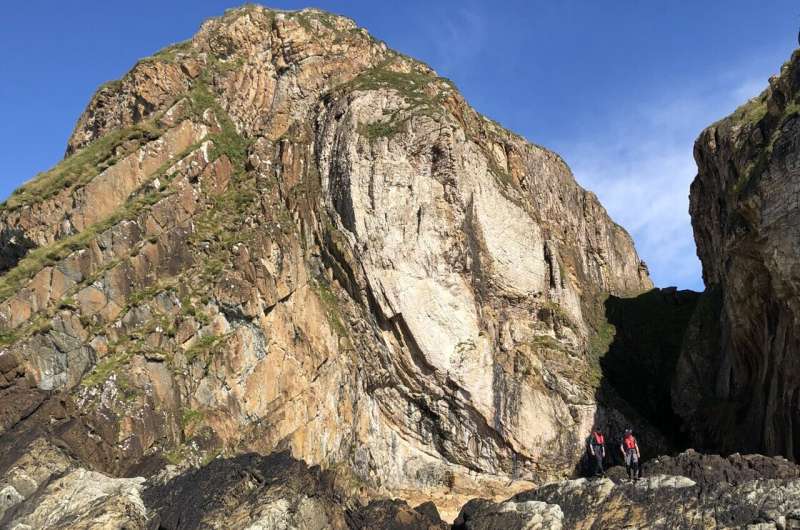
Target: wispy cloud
641, 167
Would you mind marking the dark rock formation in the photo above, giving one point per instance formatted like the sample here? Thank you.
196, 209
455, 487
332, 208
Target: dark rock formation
736, 469
649, 332
247, 490
732, 492
396, 515
14, 245
738, 380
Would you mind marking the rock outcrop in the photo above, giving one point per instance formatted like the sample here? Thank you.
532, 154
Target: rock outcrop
282, 235
738, 382
659, 502
710, 469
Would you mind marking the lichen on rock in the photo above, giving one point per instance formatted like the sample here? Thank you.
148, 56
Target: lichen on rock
281, 234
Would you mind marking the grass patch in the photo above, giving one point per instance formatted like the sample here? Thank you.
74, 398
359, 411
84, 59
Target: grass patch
415, 88
190, 417
105, 369
203, 346
382, 129
82, 166
174, 456
171, 53
306, 17
546, 342
331, 305
37, 259
8, 337
751, 112
227, 141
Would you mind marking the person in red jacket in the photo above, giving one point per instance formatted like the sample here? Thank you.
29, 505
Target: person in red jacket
597, 449
630, 452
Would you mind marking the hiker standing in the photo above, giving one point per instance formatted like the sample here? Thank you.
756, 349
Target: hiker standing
630, 452
597, 450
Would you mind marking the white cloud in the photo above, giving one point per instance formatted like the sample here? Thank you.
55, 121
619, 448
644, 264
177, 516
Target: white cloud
641, 167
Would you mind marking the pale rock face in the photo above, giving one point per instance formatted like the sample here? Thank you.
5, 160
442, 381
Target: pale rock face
526, 515
303, 240
86, 500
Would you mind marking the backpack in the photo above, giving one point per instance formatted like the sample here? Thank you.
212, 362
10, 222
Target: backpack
597, 438
629, 442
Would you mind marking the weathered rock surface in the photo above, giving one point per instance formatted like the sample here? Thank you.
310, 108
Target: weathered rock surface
655, 502
83, 500
248, 491
714, 469
283, 235
738, 379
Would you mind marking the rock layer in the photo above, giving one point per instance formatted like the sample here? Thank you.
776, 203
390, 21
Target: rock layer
283, 235
660, 502
738, 383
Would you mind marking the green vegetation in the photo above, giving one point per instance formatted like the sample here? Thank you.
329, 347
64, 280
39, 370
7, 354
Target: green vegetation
172, 52
83, 166
190, 417
601, 339
39, 258
175, 456
106, 368
148, 293
8, 337
203, 346
227, 141
415, 87
547, 342
326, 19
382, 129
644, 350
331, 304
753, 113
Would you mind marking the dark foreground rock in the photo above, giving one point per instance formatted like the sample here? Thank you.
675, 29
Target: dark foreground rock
657, 502
714, 469
272, 492
247, 490
396, 515
278, 492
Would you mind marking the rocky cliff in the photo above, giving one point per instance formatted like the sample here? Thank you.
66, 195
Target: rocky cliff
282, 235
738, 382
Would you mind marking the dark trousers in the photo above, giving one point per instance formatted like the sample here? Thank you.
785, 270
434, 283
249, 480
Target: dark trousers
632, 464
598, 461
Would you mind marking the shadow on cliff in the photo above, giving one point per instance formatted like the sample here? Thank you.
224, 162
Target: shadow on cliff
637, 369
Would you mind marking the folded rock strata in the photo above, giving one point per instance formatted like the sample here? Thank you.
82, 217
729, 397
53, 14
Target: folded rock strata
281, 234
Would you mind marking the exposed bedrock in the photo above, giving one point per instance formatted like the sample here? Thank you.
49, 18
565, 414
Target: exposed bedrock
738, 384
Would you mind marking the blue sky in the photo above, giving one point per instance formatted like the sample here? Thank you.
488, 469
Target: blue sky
620, 89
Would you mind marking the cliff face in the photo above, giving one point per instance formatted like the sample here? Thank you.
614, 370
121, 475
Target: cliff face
283, 235
740, 355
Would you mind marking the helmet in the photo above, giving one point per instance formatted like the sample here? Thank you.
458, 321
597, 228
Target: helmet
628, 431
